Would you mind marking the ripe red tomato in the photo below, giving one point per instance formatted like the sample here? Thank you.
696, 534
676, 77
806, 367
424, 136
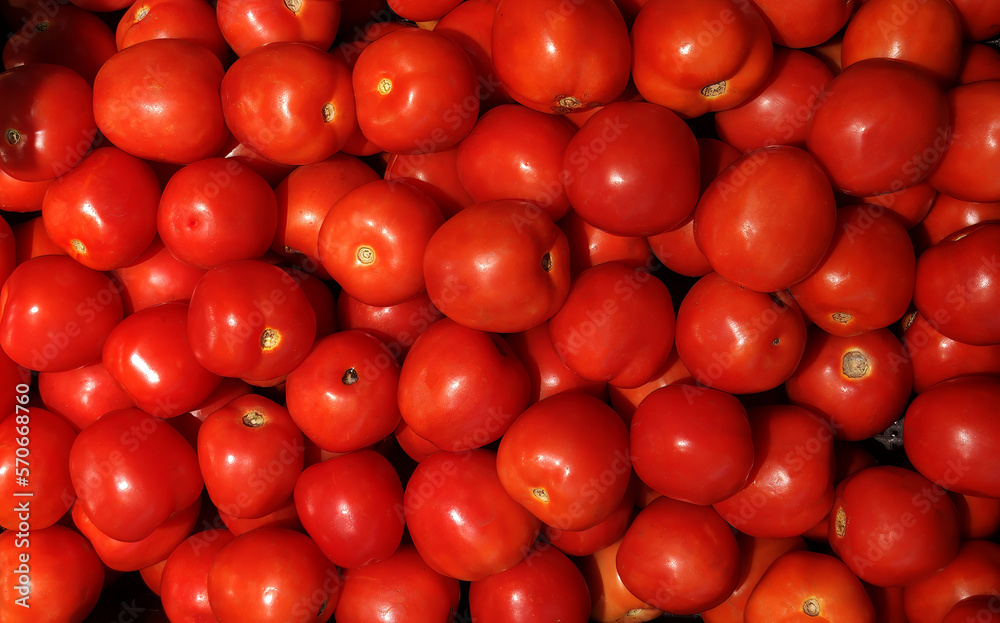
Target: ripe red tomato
937, 358
590, 246
610, 601
155, 277
804, 24
435, 174
948, 215
184, 577
249, 24
397, 326
470, 24
548, 374
83, 394
972, 150
975, 570
585, 542
193, 20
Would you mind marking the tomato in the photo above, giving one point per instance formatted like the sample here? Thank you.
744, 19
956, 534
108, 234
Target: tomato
499, 266
975, 608
184, 579
20, 196
804, 24
954, 452
610, 601
767, 220
911, 205
678, 557
250, 320
548, 374
55, 569
422, 10
461, 519
461, 388
285, 516
416, 92
352, 507
980, 61
435, 174
893, 527
83, 394
979, 517
947, 215
626, 400
692, 444
801, 586
566, 459
401, 588
590, 246
975, 570
47, 112
848, 457
270, 574
955, 285
738, 340
159, 99
397, 326
545, 586
155, 277
585, 542
971, 150
342, 396
698, 56
249, 24
894, 28
470, 25
193, 20
56, 313
555, 59
633, 169
882, 126
859, 384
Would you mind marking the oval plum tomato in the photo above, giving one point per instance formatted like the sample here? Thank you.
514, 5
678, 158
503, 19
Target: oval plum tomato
767, 220
397, 326
156, 276
55, 313
515, 152
416, 92
131, 472
678, 557
790, 486
343, 394
249, 24
193, 20
251, 454
461, 388
737, 340
692, 443
892, 526
617, 325
500, 266
150, 356
352, 507
778, 113
972, 150
184, 579
698, 56
436, 174
610, 601
103, 211
948, 215
936, 358
804, 24
956, 284
802, 586
566, 459
290, 102
633, 169
893, 28
270, 574
859, 384
975, 570
461, 519
372, 241
250, 320
65, 574
881, 126
159, 100
216, 210
548, 374
545, 586
48, 438
401, 588
955, 451
83, 394
47, 117
556, 59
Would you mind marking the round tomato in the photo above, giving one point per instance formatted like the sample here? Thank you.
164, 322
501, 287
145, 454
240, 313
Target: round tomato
184, 579
249, 24
193, 20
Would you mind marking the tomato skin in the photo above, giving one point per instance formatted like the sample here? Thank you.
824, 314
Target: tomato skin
435, 174
585, 542
20, 196
892, 526
591, 40
673, 66
610, 601
947, 215
83, 394
804, 25
155, 277
975, 570
548, 374
470, 24
678, 557
397, 326
972, 152
626, 400
801, 585
175, 116
461, 519
590, 246
945, 450
193, 20
184, 577
249, 24
975, 608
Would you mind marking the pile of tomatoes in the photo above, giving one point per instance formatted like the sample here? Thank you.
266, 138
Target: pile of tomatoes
500, 310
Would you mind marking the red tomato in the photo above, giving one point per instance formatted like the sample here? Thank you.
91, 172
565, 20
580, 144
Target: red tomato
31, 240
470, 25
184, 579
692, 444
975, 570
633, 169
548, 374
249, 24
556, 58
610, 601
422, 10
585, 542
800, 586
159, 99
956, 451
83, 394
911, 204
55, 313
882, 125
461, 388
20, 196
698, 56
397, 326
271, 574
972, 150
156, 276
804, 24
767, 220
678, 557
626, 400
590, 246
352, 507
979, 517
980, 61
976, 608
461, 519
892, 526
435, 174
286, 516
193, 20
947, 215
343, 394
